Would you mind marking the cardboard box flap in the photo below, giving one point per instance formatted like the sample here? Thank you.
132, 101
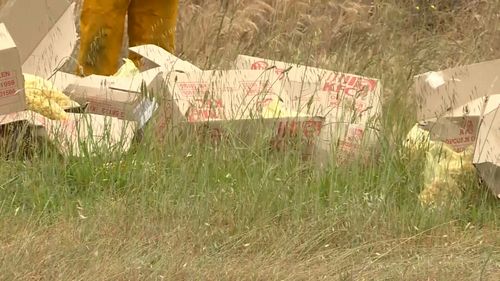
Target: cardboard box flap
162, 58
130, 98
488, 140
30, 20
304, 72
124, 89
12, 117
441, 91
490, 173
54, 50
486, 156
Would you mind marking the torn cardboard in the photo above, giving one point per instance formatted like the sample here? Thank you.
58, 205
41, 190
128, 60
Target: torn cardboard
80, 134
459, 127
12, 97
127, 98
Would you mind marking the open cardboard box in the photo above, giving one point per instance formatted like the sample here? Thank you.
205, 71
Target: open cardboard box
458, 106
350, 104
127, 98
248, 104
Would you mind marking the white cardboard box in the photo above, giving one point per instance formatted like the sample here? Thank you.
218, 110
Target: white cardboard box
232, 102
350, 104
320, 91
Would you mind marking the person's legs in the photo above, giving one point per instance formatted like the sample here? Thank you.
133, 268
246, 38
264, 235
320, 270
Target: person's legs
152, 22
101, 35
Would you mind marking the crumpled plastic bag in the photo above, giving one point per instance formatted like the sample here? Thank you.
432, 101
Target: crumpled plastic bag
128, 69
443, 167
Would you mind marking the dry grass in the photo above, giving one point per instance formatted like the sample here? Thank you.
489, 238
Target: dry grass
119, 244
185, 212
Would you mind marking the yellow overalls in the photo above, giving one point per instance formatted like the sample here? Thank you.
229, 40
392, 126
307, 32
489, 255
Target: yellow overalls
102, 27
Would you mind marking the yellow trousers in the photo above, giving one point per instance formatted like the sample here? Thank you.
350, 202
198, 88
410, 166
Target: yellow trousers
102, 29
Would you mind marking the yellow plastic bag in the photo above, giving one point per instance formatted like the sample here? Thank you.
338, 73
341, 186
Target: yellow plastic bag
443, 166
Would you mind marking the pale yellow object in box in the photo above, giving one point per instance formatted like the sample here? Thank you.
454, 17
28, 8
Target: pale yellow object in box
128, 69
442, 166
44, 98
276, 109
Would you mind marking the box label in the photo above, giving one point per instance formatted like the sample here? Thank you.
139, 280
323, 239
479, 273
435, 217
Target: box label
8, 84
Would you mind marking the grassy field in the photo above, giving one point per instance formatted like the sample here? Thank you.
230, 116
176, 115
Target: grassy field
182, 211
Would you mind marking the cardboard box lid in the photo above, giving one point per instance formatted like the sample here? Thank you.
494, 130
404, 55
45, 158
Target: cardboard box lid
30, 20
440, 92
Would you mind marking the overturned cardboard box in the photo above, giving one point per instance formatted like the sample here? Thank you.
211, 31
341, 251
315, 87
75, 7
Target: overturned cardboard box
12, 97
248, 104
79, 135
455, 105
350, 104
